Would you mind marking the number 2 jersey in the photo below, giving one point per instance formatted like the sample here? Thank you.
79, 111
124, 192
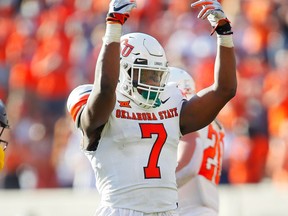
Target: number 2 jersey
199, 195
136, 157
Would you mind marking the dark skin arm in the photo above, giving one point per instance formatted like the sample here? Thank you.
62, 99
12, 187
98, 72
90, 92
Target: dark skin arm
203, 108
200, 110
102, 99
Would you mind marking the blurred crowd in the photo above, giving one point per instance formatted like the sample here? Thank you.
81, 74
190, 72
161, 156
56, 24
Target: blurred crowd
48, 47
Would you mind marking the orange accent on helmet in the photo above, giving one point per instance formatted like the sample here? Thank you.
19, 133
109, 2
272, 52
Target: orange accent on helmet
76, 107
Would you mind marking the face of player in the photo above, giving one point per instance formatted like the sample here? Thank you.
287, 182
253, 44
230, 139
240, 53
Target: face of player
148, 77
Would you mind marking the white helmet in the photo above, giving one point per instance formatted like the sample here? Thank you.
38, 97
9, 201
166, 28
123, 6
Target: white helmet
143, 69
77, 100
183, 80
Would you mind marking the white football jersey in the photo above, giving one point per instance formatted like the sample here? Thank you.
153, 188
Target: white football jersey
136, 157
199, 195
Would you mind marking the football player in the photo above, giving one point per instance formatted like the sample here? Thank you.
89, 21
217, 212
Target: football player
3, 125
200, 157
131, 128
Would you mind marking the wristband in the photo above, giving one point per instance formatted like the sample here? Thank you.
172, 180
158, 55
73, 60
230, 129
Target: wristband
224, 29
116, 18
225, 40
113, 33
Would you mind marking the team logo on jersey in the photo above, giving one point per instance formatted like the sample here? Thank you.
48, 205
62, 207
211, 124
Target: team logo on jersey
124, 104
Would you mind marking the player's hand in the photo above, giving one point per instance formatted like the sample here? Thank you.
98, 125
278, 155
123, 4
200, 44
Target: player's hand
213, 11
119, 11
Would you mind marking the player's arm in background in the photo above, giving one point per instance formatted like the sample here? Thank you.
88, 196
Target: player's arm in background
102, 98
189, 156
204, 107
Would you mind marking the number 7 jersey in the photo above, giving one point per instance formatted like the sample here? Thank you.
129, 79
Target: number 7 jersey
136, 157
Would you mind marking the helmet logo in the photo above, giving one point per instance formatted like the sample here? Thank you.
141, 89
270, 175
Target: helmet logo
127, 49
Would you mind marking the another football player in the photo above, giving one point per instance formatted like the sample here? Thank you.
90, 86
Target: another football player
200, 157
131, 120
3, 125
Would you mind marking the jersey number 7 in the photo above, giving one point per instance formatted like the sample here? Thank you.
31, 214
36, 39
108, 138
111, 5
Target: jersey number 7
152, 170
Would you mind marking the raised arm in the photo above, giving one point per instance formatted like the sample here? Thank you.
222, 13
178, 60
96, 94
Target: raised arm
102, 98
201, 109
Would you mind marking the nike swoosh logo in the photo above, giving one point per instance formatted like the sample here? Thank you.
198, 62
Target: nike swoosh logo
119, 8
141, 61
164, 101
